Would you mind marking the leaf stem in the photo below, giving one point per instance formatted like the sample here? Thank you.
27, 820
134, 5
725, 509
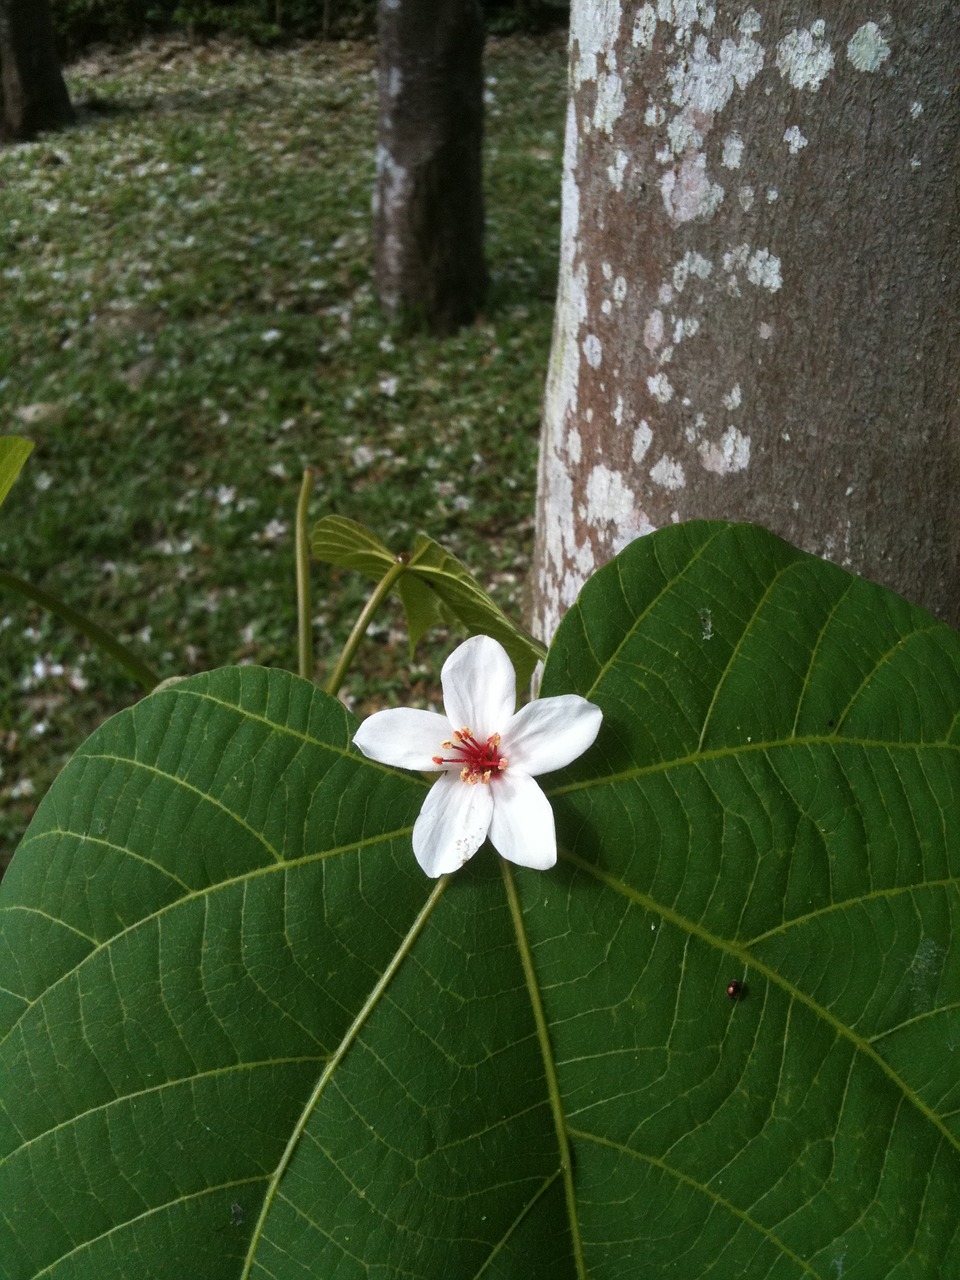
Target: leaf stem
380, 593
105, 640
304, 620
549, 1066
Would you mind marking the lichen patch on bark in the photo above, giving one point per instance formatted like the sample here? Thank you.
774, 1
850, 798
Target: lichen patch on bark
867, 48
731, 453
804, 57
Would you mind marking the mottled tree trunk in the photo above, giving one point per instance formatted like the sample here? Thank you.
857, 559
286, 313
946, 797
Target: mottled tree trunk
428, 203
758, 305
33, 95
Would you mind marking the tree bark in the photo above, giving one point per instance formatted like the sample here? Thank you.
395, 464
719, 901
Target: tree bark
33, 95
428, 201
758, 303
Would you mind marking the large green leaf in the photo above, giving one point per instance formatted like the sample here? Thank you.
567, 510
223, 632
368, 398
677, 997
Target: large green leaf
14, 451
243, 1036
434, 587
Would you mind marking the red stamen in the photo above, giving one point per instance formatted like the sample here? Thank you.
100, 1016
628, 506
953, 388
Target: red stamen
478, 761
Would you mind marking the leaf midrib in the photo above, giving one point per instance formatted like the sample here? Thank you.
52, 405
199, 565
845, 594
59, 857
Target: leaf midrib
334, 1061
549, 1066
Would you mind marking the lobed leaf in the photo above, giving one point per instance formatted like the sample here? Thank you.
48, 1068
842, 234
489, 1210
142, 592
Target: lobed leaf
775, 799
243, 1036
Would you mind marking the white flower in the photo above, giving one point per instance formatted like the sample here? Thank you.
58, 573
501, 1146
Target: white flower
487, 757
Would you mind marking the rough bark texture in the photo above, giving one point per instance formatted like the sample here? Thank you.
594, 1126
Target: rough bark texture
33, 95
428, 202
758, 305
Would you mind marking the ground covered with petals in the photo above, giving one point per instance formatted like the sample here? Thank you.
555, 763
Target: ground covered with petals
187, 319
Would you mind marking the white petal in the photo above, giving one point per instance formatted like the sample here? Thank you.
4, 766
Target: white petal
479, 687
550, 732
403, 737
452, 825
522, 829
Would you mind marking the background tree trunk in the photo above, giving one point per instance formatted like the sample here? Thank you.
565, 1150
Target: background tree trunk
758, 302
428, 202
33, 95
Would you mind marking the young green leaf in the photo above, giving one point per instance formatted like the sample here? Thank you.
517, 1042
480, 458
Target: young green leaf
14, 451
434, 588
460, 594
342, 542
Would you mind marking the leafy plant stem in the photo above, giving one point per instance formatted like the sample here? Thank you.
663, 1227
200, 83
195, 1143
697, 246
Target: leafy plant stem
137, 670
335, 1059
304, 620
549, 1066
380, 593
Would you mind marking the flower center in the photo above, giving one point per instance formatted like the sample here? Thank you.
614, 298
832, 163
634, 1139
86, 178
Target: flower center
478, 761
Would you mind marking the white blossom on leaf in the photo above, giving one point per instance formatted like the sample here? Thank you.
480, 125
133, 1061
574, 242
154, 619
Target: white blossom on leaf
488, 755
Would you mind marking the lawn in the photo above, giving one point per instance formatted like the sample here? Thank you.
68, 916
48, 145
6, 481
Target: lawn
187, 320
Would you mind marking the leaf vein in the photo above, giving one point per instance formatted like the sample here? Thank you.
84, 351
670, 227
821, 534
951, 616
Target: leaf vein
738, 950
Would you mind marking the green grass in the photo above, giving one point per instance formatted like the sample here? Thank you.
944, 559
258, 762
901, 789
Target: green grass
187, 319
